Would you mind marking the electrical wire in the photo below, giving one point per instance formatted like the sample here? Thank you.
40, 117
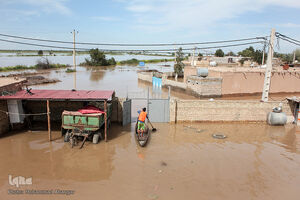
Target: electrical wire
41, 45
34, 114
289, 41
119, 44
132, 50
279, 34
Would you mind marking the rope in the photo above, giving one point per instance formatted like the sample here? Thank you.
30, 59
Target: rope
35, 114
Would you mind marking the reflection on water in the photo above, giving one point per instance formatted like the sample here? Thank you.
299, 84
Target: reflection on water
122, 79
181, 161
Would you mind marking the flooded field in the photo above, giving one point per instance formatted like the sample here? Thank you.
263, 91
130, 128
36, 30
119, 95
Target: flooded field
181, 161
11, 60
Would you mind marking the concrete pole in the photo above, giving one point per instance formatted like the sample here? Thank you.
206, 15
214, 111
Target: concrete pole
268, 73
263, 58
176, 75
74, 58
294, 58
193, 60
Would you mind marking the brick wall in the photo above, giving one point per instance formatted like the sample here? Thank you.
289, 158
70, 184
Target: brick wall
205, 87
189, 71
167, 82
223, 110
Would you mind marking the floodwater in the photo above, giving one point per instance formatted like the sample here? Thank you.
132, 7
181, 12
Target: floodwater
122, 79
10, 60
181, 161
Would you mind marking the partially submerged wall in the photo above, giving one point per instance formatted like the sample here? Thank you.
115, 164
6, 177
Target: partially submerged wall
224, 110
180, 85
117, 112
201, 87
145, 76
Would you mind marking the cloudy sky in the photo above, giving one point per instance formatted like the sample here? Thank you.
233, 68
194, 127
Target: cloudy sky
151, 21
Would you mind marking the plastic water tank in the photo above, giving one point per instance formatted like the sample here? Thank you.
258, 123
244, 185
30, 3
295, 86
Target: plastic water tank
275, 118
213, 63
202, 72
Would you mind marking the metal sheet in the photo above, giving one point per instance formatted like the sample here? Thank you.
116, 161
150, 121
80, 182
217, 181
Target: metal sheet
126, 112
159, 110
61, 95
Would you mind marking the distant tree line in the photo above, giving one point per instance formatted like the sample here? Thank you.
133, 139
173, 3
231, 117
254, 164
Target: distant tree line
256, 55
288, 57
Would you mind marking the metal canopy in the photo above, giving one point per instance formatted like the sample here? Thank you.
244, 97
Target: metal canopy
81, 95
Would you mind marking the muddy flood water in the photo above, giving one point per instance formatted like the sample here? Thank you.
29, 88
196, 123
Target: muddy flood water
181, 161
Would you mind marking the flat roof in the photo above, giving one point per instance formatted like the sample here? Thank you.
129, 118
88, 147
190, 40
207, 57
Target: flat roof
82, 95
4, 81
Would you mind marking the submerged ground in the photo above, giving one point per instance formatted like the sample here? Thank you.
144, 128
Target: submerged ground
181, 161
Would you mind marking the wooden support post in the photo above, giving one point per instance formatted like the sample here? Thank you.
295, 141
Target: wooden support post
49, 122
176, 111
105, 118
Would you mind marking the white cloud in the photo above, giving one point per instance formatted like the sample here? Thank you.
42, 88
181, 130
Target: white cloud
48, 6
178, 14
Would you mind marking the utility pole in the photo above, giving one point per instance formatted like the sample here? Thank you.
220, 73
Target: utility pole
193, 60
268, 73
294, 58
264, 49
175, 61
74, 57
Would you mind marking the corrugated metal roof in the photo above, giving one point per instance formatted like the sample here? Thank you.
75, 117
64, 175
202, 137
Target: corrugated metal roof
61, 95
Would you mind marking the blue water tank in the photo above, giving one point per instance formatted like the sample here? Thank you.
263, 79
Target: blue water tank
202, 72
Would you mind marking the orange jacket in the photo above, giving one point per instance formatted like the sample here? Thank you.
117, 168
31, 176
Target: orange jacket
142, 116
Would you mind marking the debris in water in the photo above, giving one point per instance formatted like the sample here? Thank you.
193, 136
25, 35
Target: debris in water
200, 130
190, 127
153, 196
162, 163
219, 136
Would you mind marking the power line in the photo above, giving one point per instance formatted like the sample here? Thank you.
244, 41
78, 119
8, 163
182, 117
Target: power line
289, 41
41, 45
279, 34
132, 50
119, 44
